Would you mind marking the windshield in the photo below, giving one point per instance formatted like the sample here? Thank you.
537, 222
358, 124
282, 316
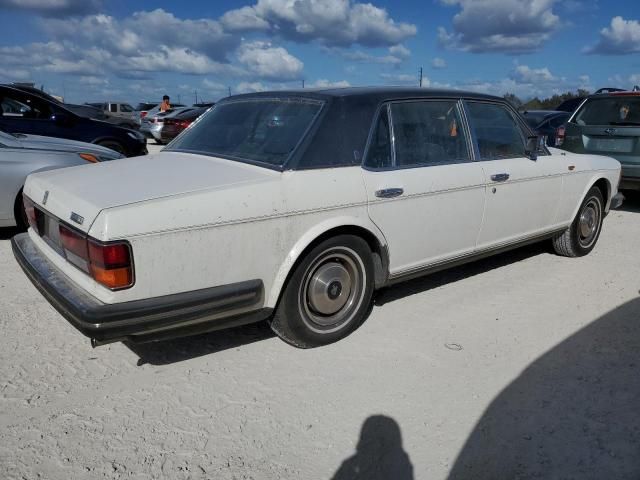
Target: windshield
618, 110
256, 130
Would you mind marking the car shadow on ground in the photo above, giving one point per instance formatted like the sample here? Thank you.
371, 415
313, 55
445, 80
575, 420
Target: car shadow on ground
379, 453
631, 202
572, 413
452, 275
8, 232
172, 351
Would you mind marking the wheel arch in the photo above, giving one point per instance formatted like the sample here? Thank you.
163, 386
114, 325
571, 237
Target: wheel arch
603, 184
351, 226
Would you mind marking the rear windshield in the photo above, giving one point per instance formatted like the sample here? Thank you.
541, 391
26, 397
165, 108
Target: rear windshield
621, 110
257, 130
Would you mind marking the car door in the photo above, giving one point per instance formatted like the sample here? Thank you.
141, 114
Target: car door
424, 191
523, 195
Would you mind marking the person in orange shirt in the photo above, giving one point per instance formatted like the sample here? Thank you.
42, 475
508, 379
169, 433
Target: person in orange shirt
165, 106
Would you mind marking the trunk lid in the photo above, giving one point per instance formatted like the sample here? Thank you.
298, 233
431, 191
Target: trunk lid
76, 195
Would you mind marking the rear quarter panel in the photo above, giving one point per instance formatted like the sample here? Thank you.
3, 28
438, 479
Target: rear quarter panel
248, 232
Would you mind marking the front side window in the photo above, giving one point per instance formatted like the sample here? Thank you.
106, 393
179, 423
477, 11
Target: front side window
619, 110
126, 108
257, 130
428, 133
113, 107
496, 131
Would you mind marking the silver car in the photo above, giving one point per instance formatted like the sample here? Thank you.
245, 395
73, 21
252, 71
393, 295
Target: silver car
153, 123
22, 154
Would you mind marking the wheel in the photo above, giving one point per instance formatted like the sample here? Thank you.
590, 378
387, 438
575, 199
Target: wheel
113, 145
328, 295
580, 238
22, 222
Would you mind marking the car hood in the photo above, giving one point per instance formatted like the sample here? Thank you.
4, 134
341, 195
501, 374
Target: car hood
88, 189
37, 142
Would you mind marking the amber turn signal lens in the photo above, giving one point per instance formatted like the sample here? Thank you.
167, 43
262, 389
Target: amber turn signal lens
115, 278
88, 157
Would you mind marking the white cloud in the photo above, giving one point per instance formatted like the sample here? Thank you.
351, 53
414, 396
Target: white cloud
323, 83
268, 61
524, 74
397, 55
250, 87
214, 86
508, 26
438, 63
622, 37
404, 79
332, 22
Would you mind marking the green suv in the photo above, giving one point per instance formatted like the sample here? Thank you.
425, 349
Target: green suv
609, 124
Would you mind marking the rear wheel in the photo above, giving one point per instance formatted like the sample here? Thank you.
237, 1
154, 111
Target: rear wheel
113, 145
581, 237
328, 295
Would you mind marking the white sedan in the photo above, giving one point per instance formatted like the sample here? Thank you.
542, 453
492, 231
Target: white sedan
294, 207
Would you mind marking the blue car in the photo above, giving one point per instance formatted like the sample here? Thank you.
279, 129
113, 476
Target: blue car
33, 114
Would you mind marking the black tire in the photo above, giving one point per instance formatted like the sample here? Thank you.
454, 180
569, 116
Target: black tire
22, 222
113, 145
581, 237
328, 294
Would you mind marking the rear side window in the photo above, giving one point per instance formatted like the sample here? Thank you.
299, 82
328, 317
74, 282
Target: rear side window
25, 106
619, 110
496, 131
428, 133
126, 108
257, 130
113, 107
379, 154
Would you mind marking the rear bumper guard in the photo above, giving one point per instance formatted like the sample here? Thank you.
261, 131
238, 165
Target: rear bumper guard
143, 320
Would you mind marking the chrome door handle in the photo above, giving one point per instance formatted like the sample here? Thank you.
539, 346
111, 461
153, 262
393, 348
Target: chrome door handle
500, 177
389, 192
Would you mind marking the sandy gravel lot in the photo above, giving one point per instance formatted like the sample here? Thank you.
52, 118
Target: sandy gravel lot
522, 366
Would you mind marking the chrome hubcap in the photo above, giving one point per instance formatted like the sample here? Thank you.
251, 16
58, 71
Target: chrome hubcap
329, 288
589, 223
332, 290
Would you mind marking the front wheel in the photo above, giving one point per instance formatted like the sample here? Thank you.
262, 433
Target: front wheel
581, 237
328, 295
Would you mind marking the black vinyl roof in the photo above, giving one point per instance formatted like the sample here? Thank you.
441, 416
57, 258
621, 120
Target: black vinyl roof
373, 94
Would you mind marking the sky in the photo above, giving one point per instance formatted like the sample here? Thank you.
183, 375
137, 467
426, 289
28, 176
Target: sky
139, 50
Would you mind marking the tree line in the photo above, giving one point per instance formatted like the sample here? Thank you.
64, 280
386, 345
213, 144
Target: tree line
546, 103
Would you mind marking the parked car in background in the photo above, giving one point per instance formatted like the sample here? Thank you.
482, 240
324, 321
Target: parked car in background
549, 124
173, 125
154, 120
143, 109
609, 124
22, 154
295, 206
122, 114
23, 112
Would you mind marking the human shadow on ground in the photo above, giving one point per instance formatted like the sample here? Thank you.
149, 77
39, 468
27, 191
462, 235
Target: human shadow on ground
379, 453
186, 348
574, 413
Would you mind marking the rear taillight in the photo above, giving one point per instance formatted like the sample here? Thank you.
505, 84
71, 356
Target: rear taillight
109, 264
143, 114
170, 121
560, 134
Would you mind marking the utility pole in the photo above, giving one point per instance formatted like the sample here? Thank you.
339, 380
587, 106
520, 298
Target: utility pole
303, 83
420, 77
229, 91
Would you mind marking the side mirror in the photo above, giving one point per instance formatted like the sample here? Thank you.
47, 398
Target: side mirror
533, 147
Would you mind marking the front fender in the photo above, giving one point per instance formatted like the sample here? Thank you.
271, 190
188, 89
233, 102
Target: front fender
308, 238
